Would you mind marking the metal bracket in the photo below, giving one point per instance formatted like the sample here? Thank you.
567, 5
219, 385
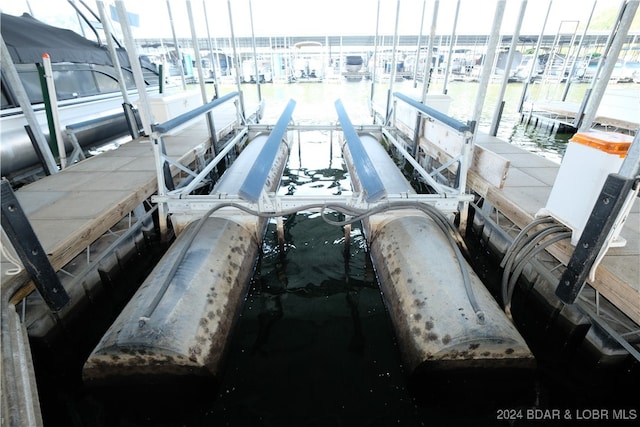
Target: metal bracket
610, 202
24, 240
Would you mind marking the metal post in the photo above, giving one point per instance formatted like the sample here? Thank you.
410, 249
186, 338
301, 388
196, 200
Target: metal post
196, 51
620, 31
569, 50
106, 26
236, 60
487, 63
177, 47
203, 88
495, 122
255, 55
213, 67
145, 110
375, 55
145, 113
535, 59
573, 66
427, 67
11, 74
451, 46
417, 60
128, 108
394, 65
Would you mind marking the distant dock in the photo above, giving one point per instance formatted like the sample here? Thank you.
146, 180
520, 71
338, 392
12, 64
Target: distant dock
618, 111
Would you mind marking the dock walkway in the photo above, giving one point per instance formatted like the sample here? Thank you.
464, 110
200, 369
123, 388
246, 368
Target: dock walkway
619, 110
526, 190
72, 208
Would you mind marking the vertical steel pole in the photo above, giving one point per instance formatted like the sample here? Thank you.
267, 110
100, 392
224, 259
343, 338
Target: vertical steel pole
394, 52
575, 60
214, 75
620, 31
495, 122
375, 54
487, 68
451, 48
106, 26
145, 114
128, 107
145, 110
417, 60
177, 47
236, 60
196, 51
255, 54
203, 88
427, 65
535, 59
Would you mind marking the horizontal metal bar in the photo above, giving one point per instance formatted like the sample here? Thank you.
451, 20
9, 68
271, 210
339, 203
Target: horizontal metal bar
198, 204
254, 182
367, 174
165, 127
432, 112
306, 127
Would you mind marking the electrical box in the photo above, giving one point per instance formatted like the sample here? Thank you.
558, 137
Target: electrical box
590, 157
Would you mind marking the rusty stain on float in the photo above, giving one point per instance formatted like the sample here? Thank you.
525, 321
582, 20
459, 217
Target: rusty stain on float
422, 283
181, 328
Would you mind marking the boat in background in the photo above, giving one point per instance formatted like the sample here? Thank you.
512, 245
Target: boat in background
308, 62
86, 85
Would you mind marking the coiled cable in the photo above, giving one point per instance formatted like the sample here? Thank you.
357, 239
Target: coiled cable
523, 249
452, 234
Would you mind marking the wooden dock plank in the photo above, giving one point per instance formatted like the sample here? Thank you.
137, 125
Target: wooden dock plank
71, 209
527, 189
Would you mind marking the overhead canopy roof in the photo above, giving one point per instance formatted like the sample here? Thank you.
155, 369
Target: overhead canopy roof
27, 39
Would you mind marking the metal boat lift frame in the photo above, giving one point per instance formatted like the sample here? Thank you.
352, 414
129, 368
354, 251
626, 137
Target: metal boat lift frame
185, 207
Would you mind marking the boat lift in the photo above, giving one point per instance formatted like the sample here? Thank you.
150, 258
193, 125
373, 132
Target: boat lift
184, 206
219, 234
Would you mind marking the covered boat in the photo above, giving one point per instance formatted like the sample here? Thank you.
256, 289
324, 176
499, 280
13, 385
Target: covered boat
86, 86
